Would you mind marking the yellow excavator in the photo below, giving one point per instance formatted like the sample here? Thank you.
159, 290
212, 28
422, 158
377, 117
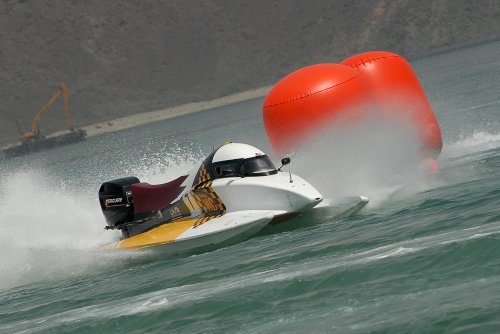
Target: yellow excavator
34, 133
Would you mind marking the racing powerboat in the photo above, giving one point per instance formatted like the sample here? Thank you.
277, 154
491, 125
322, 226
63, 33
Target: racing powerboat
231, 195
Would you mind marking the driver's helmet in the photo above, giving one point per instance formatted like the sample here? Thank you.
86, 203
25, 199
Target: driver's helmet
240, 160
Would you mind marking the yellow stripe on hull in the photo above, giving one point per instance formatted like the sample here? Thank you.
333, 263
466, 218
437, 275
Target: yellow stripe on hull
163, 234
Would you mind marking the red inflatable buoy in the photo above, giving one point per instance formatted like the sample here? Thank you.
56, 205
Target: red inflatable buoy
397, 93
308, 100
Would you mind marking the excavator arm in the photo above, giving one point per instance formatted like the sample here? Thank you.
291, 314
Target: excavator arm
35, 132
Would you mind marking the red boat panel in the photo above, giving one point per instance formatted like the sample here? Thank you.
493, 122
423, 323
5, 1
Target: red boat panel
150, 198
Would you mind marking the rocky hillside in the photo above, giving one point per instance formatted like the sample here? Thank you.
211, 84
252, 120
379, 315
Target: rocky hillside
124, 57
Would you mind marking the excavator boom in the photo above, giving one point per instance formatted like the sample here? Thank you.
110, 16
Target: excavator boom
35, 132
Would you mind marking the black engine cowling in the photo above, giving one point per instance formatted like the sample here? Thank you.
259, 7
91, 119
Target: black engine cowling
116, 200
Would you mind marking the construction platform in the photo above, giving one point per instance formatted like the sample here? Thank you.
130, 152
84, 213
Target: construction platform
52, 140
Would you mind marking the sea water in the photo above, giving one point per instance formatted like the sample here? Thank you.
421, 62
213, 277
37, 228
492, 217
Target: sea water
423, 256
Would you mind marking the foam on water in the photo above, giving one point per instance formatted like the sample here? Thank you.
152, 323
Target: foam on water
477, 142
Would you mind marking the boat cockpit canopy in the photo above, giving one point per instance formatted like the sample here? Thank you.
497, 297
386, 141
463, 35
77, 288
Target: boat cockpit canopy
255, 166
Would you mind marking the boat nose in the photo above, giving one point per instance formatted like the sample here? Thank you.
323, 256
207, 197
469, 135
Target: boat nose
304, 198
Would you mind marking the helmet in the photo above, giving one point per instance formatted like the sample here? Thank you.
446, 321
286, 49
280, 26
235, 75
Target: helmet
236, 159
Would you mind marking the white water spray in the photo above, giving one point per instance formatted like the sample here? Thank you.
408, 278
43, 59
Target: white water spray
45, 232
52, 229
373, 158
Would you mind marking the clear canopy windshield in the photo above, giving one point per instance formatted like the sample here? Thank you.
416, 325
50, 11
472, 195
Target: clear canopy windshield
257, 166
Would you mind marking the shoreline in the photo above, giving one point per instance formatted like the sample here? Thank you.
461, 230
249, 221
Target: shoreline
149, 117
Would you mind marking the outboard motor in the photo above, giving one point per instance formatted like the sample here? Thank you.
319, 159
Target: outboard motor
116, 200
